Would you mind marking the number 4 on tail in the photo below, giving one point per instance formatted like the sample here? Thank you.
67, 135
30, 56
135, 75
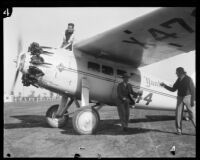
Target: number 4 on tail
148, 98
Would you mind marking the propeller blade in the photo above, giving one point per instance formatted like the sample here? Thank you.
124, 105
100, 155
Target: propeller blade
19, 48
19, 45
14, 83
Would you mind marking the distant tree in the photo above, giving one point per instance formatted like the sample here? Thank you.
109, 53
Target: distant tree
39, 97
57, 96
32, 94
20, 94
45, 94
51, 94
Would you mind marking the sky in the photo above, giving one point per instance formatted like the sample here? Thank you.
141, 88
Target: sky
47, 26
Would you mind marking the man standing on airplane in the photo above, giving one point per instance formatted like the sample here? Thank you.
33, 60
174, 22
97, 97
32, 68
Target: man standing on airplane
124, 90
69, 37
186, 95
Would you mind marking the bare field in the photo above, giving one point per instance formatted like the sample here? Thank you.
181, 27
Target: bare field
151, 133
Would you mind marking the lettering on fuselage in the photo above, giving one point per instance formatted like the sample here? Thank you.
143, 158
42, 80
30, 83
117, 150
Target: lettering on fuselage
150, 82
160, 35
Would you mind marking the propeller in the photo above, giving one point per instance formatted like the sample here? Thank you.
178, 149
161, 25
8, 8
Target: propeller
19, 50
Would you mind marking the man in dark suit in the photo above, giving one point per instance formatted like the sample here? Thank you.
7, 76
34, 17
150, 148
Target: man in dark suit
124, 90
186, 96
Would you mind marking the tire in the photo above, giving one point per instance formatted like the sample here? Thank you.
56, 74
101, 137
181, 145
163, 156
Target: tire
86, 121
55, 122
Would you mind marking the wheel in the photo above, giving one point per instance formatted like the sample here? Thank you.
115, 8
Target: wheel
86, 121
55, 122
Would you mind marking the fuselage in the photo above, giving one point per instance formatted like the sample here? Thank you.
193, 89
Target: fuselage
65, 70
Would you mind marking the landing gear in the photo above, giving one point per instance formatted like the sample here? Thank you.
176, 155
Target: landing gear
85, 121
57, 115
52, 120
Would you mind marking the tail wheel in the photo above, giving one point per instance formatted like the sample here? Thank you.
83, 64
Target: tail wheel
55, 122
86, 121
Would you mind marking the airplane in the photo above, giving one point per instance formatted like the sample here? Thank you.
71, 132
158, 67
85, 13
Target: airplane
93, 69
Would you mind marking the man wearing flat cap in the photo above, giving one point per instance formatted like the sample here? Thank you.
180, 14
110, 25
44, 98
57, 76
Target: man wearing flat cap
186, 96
124, 90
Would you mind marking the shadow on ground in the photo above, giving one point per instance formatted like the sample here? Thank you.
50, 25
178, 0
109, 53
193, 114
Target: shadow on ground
153, 118
112, 127
106, 127
30, 121
27, 121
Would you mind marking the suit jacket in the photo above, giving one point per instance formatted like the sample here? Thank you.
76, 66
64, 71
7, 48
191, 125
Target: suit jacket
125, 91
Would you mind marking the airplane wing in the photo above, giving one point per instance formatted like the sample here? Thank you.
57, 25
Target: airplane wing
153, 37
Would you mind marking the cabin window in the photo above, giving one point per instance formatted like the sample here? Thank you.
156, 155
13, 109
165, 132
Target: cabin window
121, 72
107, 70
94, 66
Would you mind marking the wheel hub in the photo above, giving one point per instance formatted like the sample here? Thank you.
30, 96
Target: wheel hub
86, 121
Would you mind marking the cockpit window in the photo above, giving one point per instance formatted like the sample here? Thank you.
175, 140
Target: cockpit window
107, 70
94, 66
120, 72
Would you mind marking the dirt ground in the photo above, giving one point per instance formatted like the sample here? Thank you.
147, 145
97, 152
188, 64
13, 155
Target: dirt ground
151, 133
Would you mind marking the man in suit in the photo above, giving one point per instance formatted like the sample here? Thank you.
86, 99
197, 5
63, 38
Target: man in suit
186, 96
124, 90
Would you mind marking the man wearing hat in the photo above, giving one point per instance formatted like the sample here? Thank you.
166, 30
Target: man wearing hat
186, 96
124, 90
69, 37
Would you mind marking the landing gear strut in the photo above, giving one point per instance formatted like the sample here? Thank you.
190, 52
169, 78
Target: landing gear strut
52, 120
57, 115
85, 119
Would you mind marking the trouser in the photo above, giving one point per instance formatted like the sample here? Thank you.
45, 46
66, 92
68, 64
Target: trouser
123, 111
181, 101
